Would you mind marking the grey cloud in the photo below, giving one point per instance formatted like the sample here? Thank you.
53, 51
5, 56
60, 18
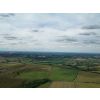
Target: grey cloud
91, 27
91, 42
70, 39
88, 33
10, 37
35, 30
13, 43
97, 36
67, 39
5, 15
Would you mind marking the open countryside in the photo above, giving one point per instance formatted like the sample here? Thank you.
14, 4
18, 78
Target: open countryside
49, 70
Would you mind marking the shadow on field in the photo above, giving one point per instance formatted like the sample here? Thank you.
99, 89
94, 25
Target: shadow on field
35, 83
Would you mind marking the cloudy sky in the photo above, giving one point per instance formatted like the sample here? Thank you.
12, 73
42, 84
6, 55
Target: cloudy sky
61, 32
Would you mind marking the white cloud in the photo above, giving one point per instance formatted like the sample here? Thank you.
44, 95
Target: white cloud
42, 32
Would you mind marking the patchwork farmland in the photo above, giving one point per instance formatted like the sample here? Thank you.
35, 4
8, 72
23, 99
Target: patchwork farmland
49, 70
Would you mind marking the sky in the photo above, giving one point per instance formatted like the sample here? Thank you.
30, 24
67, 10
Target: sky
50, 32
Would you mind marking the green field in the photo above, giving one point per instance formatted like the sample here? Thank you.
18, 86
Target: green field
55, 74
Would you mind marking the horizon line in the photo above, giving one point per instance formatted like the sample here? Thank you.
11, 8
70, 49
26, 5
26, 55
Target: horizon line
54, 52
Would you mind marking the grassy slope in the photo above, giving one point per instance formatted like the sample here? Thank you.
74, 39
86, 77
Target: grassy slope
54, 74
